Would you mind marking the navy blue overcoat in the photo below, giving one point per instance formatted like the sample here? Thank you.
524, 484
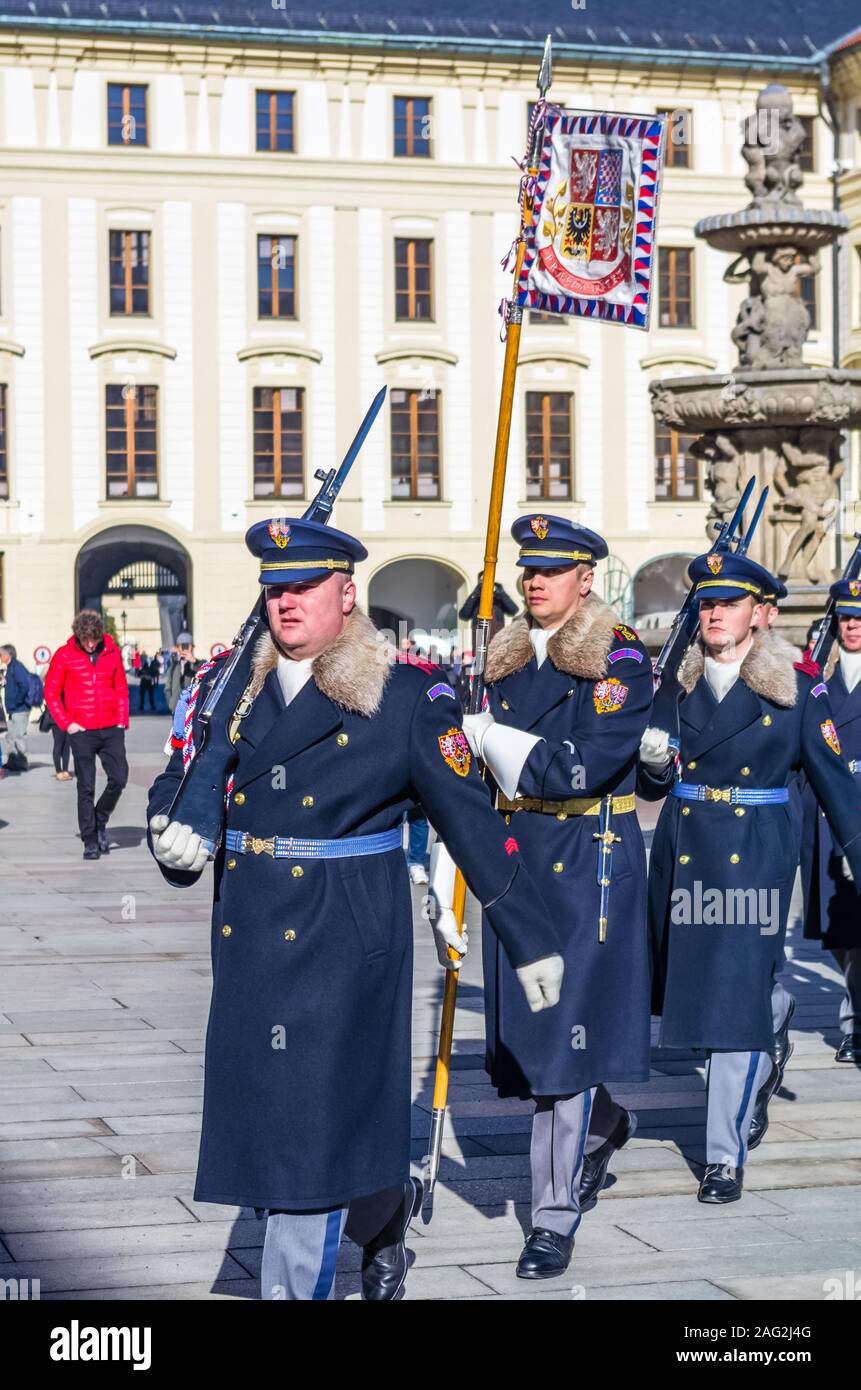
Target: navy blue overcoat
832, 910
721, 874
307, 1067
589, 702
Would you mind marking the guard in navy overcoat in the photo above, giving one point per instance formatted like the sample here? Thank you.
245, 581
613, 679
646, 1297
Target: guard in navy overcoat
307, 1067
831, 909
724, 853
569, 698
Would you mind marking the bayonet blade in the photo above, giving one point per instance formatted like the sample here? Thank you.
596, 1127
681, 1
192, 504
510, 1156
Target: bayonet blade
545, 75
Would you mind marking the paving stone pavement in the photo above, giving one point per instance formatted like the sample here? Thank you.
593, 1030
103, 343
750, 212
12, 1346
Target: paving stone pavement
104, 991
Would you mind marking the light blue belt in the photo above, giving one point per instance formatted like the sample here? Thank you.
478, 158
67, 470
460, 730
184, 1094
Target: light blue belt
735, 796
295, 847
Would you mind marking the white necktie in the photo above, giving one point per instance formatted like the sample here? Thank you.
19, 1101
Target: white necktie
721, 676
292, 675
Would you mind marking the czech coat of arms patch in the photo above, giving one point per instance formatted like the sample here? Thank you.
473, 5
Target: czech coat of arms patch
715, 563
609, 695
280, 533
829, 733
854, 587
540, 525
455, 749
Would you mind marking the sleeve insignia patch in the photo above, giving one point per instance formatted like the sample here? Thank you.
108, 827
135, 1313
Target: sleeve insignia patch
820, 689
511, 846
829, 733
630, 652
626, 633
440, 689
609, 695
455, 749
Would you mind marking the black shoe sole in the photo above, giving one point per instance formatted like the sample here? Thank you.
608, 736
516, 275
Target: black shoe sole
719, 1201
548, 1274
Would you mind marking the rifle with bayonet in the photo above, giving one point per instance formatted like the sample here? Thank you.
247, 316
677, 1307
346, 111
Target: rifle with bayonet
665, 710
199, 802
827, 635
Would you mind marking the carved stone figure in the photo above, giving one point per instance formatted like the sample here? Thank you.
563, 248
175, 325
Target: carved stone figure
773, 321
807, 477
724, 476
773, 138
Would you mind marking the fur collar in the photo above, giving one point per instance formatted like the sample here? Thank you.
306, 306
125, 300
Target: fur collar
351, 673
579, 648
767, 670
831, 663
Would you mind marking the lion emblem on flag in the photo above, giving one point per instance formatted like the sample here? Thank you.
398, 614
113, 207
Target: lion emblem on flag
280, 533
540, 526
455, 749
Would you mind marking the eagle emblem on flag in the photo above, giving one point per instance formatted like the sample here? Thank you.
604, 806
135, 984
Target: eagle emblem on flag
455, 749
715, 563
829, 733
540, 526
280, 533
609, 695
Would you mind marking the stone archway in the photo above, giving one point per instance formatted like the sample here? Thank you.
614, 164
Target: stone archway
418, 598
139, 568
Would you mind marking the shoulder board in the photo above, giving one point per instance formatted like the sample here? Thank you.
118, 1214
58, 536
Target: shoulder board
810, 668
627, 634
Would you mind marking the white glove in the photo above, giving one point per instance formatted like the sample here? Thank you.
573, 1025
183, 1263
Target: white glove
542, 981
177, 846
445, 934
655, 748
475, 726
847, 872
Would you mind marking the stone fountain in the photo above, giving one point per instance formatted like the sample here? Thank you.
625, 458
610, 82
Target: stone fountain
772, 417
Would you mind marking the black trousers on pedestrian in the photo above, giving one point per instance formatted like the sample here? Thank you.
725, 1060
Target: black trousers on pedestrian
109, 745
62, 749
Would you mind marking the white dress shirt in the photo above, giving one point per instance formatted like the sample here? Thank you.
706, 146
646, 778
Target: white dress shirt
292, 675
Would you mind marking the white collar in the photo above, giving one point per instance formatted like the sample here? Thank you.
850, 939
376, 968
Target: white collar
539, 637
850, 668
721, 676
292, 675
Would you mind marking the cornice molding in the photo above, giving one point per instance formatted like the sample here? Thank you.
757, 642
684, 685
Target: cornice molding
401, 354
248, 354
110, 347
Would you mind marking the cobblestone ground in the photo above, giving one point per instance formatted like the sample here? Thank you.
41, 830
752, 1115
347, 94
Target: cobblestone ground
102, 1017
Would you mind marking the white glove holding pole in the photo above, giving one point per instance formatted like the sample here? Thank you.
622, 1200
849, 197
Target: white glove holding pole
655, 748
177, 846
475, 726
440, 899
542, 982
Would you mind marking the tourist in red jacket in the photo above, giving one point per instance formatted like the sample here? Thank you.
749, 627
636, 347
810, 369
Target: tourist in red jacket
87, 694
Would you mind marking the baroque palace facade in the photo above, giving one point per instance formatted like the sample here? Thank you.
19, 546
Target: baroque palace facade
223, 228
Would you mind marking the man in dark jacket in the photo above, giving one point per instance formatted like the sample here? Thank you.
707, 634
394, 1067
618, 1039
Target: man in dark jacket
86, 693
831, 907
17, 709
307, 1080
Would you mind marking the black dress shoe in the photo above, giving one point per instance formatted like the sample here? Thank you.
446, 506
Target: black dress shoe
384, 1260
849, 1049
91, 850
545, 1255
721, 1183
783, 1050
102, 832
595, 1165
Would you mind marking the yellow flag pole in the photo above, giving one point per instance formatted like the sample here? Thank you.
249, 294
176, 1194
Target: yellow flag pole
514, 320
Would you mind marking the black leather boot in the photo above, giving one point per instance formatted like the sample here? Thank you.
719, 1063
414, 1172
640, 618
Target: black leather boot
384, 1259
595, 1165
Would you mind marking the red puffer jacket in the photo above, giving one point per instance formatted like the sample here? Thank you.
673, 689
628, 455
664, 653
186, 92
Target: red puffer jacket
79, 692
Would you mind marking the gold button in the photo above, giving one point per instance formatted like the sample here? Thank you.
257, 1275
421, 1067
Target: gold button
506, 705
290, 935
739, 810
239, 798
342, 740
561, 815
734, 858
686, 810
231, 863
570, 693
507, 820
226, 930
684, 859
767, 720
557, 868
307, 801
691, 766
745, 772
297, 871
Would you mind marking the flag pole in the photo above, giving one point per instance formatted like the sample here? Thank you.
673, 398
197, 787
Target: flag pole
514, 320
